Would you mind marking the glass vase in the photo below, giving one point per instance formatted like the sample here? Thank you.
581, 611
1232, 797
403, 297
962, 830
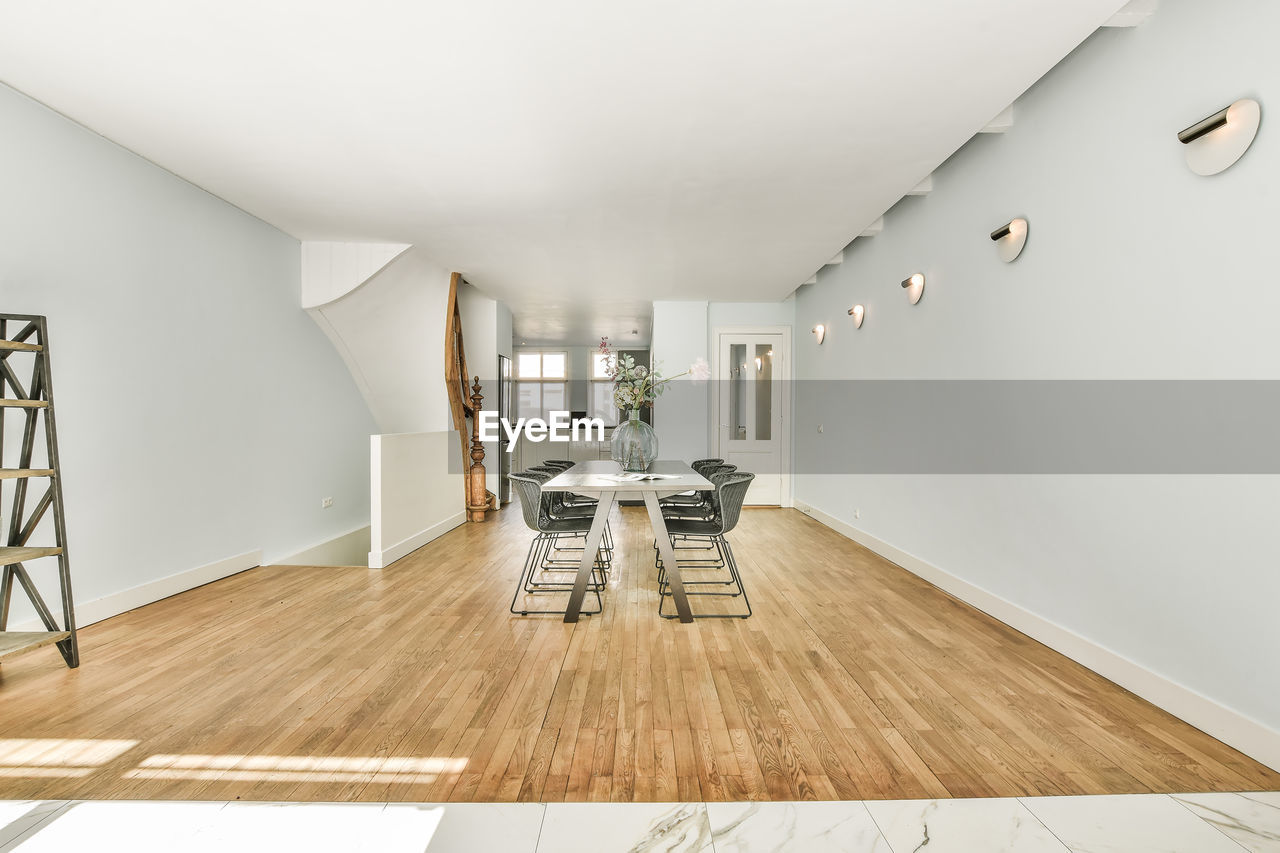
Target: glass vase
635, 444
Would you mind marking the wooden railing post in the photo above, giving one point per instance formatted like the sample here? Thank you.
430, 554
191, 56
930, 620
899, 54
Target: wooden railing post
482, 500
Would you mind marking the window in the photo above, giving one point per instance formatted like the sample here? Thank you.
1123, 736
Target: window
600, 403
600, 391
540, 399
543, 365
530, 365
543, 386
599, 366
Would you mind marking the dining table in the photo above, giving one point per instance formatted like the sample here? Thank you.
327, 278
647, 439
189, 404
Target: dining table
606, 481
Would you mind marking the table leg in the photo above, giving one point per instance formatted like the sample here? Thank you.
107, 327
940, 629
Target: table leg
668, 553
589, 549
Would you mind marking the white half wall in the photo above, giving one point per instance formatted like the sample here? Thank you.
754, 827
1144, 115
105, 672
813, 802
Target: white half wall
1135, 268
417, 492
202, 417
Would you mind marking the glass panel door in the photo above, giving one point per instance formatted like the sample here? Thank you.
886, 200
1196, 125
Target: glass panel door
750, 410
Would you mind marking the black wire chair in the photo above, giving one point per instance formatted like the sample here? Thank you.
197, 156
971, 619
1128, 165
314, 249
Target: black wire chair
549, 532
726, 503
558, 506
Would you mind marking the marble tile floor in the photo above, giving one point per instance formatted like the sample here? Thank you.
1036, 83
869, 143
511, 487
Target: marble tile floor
1138, 823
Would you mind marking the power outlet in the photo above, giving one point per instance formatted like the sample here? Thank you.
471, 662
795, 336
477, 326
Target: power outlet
819, 428
857, 513
325, 503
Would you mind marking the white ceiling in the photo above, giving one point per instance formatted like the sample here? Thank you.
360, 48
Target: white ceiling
557, 321
561, 152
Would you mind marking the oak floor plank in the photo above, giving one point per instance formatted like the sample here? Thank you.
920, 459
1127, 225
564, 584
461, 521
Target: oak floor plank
854, 679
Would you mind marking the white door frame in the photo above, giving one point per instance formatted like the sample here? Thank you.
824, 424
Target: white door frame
788, 496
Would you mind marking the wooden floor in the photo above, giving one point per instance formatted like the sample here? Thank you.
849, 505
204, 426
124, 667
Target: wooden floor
854, 680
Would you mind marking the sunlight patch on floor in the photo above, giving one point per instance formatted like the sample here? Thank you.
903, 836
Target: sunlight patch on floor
276, 768
57, 757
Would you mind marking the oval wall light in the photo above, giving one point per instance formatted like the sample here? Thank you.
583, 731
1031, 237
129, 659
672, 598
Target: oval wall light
1010, 238
857, 312
914, 286
821, 331
1218, 141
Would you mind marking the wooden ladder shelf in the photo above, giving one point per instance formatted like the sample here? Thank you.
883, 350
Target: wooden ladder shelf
24, 350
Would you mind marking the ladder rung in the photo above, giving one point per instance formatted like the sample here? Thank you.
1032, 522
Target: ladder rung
19, 346
22, 473
22, 553
25, 404
16, 642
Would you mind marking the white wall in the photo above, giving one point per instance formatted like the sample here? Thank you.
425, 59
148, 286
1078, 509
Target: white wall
390, 333
331, 270
680, 416
480, 335
506, 342
1135, 268
486, 333
752, 314
202, 417
682, 333
417, 492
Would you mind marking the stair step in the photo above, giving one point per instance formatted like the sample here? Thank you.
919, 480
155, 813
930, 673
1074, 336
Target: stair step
22, 553
16, 642
24, 404
23, 473
19, 346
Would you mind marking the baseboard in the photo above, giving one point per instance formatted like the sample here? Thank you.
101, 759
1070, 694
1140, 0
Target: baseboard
382, 559
89, 612
1229, 726
349, 549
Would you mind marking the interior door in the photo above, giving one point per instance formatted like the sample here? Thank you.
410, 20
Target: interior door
750, 411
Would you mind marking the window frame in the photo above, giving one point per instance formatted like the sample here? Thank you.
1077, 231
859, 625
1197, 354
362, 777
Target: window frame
541, 380
610, 416
542, 354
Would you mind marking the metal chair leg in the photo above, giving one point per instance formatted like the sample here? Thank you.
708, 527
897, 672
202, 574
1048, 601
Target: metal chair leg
735, 580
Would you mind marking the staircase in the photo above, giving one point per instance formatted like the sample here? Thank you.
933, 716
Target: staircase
24, 351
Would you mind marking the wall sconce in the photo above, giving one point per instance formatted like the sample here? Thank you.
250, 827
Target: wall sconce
1010, 238
914, 287
821, 331
857, 312
759, 364
1217, 142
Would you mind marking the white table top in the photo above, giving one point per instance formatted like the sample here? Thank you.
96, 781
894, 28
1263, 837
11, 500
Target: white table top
587, 478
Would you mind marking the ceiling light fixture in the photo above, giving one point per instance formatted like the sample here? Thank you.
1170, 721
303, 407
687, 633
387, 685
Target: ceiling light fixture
914, 285
1218, 141
821, 331
1010, 238
857, 312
